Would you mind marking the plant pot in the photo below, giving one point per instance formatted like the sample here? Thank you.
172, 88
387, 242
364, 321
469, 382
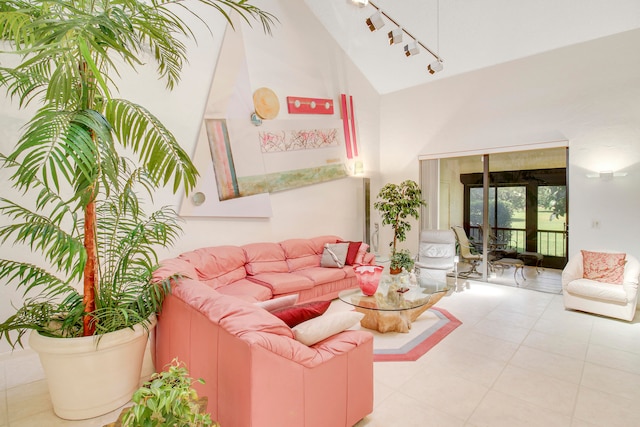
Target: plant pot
91, 376
395, 270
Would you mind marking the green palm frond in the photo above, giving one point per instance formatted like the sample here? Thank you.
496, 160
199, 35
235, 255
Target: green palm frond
158, 149
61, 144
245, 11
14, 23
36, 315
157, 29
29, 276
65, 251
23, 85
133, 247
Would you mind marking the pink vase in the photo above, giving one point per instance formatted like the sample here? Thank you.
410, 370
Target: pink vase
368, 277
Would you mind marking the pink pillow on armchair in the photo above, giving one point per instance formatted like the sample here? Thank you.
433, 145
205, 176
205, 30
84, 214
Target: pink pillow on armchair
603, 266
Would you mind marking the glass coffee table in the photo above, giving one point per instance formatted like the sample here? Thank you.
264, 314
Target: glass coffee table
396, 304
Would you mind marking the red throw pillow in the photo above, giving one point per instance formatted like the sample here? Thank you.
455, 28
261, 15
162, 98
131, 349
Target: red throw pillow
352, 252
301, 313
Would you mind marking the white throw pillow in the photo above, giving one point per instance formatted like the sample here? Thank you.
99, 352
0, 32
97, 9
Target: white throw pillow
320, 328
334, 255
277, 303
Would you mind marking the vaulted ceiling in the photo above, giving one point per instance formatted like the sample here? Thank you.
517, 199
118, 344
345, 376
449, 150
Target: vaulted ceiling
467, 34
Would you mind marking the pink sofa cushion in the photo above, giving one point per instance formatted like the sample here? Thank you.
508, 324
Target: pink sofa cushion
283, 283
320, 275
300, 253
247, 318
217, 266
236, 316
364, 257
246, 290
265, 257
169, 267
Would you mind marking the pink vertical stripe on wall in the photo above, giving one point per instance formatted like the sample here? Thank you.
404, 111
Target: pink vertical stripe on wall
353, 127
345, 122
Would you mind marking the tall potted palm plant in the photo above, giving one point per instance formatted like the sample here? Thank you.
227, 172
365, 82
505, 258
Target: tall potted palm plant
86, 219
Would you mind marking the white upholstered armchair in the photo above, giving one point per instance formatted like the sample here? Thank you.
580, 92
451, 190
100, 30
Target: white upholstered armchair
607, 299
436, 255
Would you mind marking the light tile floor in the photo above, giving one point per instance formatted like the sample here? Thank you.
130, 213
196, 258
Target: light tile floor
518, 359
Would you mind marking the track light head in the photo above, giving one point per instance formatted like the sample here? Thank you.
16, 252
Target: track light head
411, 48
395, 36
375, 21
435, 67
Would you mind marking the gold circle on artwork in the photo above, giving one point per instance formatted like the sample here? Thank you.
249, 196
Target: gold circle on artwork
266, 103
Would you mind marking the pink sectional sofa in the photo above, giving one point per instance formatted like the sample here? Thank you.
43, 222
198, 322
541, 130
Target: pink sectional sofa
256, 373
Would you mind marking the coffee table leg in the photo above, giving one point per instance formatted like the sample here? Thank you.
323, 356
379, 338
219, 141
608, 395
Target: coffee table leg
394, 321
385, 321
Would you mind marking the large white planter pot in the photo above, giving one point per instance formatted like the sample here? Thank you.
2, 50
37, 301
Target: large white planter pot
88, 377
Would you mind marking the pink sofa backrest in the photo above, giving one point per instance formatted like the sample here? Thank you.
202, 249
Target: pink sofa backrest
300, 253
171, 266
236, 316
265, 257
319, 242
217, 266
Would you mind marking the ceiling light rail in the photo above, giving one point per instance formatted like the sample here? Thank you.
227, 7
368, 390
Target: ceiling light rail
375, 22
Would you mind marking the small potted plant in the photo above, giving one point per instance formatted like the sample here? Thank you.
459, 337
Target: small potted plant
398, 203
167, 399
401, 259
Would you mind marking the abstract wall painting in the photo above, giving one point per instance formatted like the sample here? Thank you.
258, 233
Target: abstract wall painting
292, 140
290, 179
298, 105
220, 146
349, 127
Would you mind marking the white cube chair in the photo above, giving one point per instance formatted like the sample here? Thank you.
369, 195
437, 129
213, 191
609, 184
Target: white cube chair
606, 299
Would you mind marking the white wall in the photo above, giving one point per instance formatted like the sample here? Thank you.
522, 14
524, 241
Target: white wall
328, 208
588, 94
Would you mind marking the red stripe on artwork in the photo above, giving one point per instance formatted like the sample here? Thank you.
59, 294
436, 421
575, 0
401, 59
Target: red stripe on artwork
353, 128
345, 122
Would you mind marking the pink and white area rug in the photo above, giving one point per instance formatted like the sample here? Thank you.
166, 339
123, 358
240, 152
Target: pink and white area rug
428, 330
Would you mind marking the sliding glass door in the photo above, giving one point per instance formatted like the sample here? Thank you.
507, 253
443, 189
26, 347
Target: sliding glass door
526, 204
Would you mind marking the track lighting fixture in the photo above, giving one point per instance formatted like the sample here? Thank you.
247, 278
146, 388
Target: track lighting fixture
375, 21
435, 67
411, 48
395, 36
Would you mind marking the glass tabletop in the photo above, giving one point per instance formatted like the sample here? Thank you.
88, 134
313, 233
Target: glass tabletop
396, 292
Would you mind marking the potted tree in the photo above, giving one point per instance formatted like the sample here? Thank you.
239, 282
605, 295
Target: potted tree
81, 200
397, 204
